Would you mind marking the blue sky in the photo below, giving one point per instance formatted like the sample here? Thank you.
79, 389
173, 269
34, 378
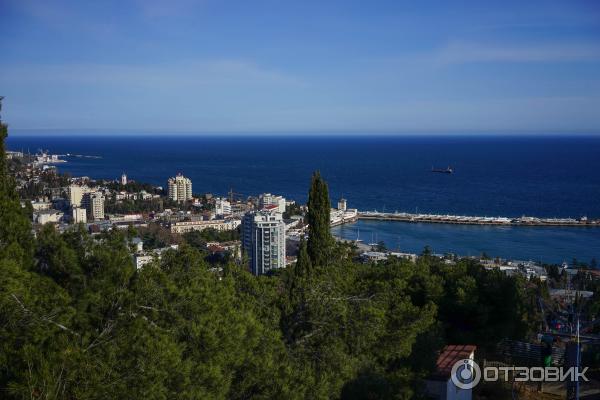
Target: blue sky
302, 66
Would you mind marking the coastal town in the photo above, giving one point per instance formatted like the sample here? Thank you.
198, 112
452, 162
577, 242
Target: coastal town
266, 228
263, 234
299, 200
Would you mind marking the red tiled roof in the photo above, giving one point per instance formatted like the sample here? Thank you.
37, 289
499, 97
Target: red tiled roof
270, 206
215, 249
450, 355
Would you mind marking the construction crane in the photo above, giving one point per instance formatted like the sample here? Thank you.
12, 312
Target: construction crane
232, 195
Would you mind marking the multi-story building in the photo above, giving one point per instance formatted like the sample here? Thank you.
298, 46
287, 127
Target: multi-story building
144, 258
218, 224
124, 179
45, 216
263, 240
180, 188
79, 214
13, 154
267, 199
75, 193
40, 205
94, 204
342, 204
222, 207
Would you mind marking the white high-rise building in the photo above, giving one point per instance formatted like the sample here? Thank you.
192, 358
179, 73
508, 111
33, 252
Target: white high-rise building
94, 204
222, 206
75, 193
124, 179
267, 199
79, 214
180, 188
263, 240
342, 204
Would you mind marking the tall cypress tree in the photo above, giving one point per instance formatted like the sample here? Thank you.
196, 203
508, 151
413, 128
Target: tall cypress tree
297, 278
303, 264
320, 241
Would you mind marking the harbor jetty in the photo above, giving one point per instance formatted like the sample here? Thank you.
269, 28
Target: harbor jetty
474, 220
347, 216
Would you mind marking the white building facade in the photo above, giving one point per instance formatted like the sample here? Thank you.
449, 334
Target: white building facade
41, 205
263, 240
180, 188
218, 225
267, 199
47, 216
222, 207
94, 204
76, 193
78, 215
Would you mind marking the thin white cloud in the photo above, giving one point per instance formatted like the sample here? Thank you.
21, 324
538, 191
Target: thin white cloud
197, 73
540, 114
465, 52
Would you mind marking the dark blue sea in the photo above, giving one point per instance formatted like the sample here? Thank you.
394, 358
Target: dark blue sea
494, 176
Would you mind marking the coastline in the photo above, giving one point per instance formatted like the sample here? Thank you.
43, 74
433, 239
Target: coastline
382, 173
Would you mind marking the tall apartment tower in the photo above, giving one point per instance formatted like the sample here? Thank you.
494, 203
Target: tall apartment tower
263, 240
180, 188
94, 204
124, 179
76, 193
342, 204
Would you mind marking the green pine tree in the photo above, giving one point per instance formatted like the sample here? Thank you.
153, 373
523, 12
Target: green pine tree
320, 241
16, 241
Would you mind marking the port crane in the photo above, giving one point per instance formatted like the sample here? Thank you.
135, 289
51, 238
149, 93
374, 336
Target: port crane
233, 195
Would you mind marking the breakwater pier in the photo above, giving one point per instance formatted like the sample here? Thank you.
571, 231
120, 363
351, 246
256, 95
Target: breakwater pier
474, 220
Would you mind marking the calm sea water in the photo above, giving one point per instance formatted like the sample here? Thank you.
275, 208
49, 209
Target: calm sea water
494, 176
547, 244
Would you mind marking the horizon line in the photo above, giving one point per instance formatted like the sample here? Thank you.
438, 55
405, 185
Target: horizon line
290, 133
